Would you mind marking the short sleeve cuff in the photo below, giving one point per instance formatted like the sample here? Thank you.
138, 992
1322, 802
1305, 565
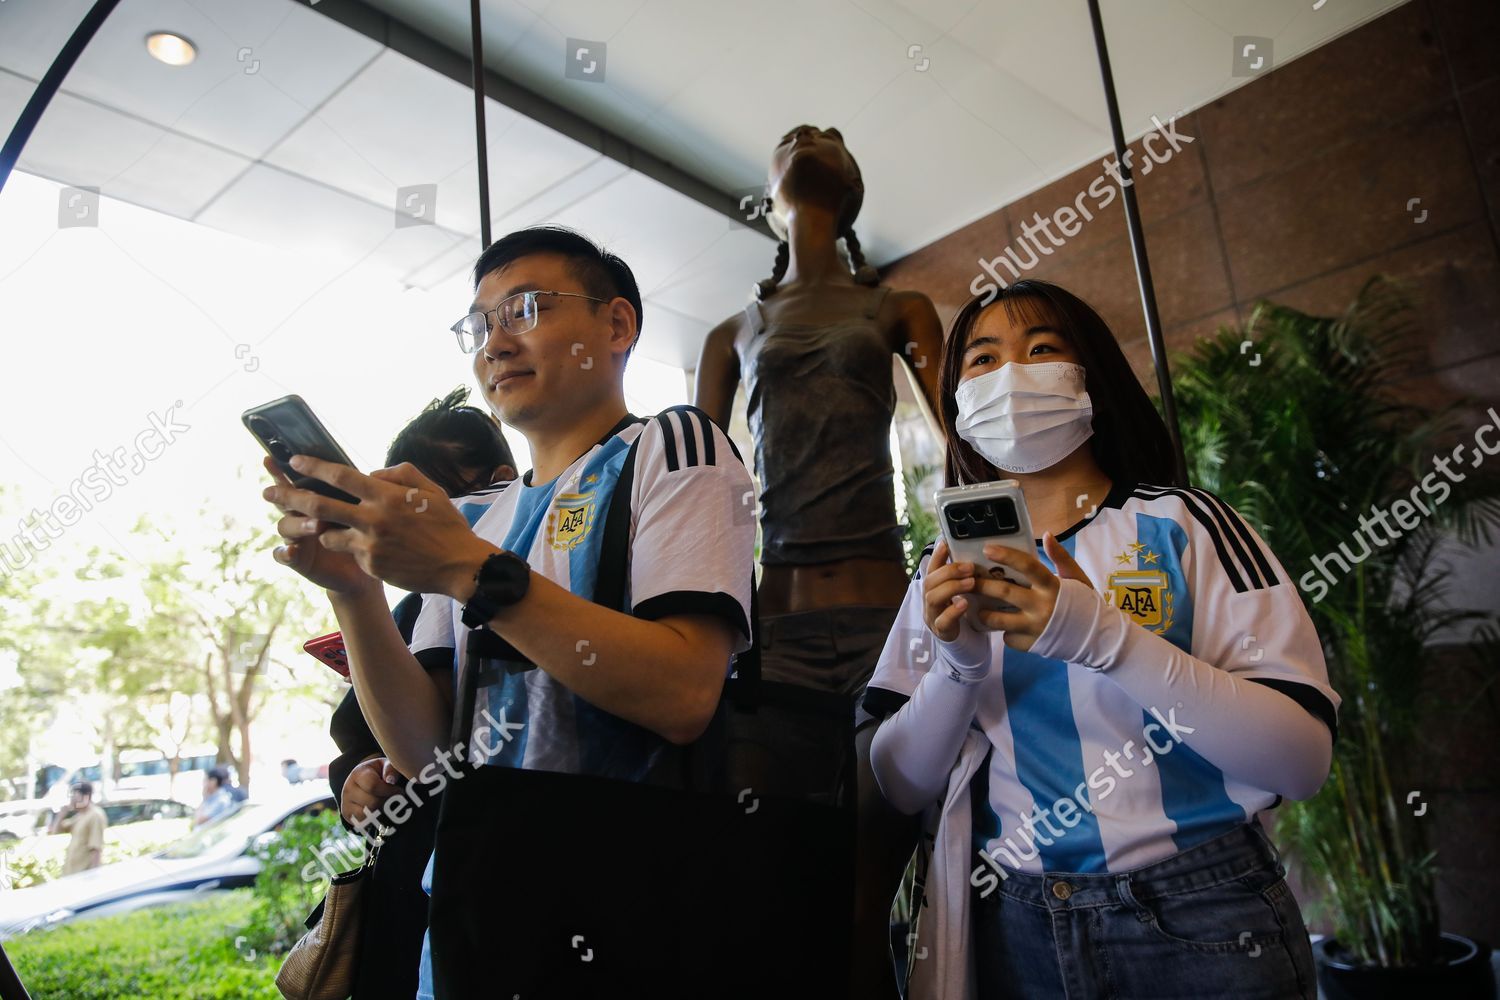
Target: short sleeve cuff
435, 658
695, 602
882, 703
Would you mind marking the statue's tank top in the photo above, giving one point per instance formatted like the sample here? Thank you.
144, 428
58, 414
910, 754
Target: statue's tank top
821, 398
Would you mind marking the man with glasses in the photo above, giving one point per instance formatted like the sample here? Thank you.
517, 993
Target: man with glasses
553, 320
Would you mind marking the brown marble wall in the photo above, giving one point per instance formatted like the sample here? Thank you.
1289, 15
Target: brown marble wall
1295, 190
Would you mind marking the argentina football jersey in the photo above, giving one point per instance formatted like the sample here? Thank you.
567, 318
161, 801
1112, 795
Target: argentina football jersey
685, 479
1081, 777
689, 553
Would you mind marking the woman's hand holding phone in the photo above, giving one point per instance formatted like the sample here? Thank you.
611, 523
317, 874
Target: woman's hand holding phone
944, 587
1035, 604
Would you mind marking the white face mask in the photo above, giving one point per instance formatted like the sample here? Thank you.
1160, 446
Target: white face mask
1022, 418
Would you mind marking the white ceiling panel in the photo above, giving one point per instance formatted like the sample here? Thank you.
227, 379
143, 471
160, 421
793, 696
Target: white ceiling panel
561, 194
648, 224
284, 210
297, 131
717, 280
1008, 99
126, 158
32, 34
260, 69
451, 263
398, 123
670, 337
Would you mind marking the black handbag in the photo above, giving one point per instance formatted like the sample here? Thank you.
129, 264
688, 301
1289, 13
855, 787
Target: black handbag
696, 882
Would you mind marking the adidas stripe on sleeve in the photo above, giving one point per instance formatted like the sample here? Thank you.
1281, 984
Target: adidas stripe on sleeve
1248, 617
692, 527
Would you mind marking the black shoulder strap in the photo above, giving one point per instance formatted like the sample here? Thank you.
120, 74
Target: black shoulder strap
614, 556
614, 547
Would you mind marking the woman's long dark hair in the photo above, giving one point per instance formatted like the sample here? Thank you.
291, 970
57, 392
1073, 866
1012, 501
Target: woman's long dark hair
1130, 441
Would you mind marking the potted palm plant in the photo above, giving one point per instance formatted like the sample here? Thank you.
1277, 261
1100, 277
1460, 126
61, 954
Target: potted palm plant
1296, 422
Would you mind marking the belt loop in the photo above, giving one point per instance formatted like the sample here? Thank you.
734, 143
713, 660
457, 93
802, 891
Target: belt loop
1122, 888
1265, 843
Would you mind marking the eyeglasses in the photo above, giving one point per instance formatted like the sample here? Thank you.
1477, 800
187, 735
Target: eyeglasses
515, 315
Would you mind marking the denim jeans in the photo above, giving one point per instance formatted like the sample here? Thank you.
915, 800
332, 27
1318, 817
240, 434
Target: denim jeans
1216, 920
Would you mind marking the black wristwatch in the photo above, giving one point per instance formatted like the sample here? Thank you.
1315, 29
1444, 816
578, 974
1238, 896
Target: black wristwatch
502, 580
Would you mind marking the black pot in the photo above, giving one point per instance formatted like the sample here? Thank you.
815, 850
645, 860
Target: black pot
1464, 974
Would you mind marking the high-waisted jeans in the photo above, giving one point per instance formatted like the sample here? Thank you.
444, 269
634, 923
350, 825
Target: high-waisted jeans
1215, 920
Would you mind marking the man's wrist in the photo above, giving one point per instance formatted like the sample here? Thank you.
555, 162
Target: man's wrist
340, 599
462, 577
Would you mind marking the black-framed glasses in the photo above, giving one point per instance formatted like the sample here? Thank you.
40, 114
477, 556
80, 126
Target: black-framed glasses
515, 315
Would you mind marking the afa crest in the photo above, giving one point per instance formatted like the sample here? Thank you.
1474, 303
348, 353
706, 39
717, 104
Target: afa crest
571, 518
1143, 594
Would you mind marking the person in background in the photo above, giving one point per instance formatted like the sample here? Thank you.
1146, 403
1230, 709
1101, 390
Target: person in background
86, 822
462, 449
218, 798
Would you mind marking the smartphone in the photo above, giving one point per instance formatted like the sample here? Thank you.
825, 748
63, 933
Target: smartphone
985, 514
329, 649
286, 427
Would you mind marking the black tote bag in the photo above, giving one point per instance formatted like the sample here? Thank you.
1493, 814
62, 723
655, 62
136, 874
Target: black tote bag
704, 881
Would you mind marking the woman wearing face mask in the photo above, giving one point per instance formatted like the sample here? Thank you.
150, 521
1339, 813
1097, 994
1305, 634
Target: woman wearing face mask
1093, 764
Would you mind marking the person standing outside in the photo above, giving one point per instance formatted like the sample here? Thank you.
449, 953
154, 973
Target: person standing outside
86, 822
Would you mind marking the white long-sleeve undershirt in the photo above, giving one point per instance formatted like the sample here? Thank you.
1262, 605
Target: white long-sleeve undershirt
1251, 732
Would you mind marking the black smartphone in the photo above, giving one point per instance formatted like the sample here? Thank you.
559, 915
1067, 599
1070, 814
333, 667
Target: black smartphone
287, 427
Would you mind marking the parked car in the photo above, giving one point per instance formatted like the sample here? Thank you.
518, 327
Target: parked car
21, 818
122, 811
209, 859
139, 774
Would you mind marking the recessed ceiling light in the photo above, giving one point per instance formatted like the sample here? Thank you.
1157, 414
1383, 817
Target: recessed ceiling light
174, 50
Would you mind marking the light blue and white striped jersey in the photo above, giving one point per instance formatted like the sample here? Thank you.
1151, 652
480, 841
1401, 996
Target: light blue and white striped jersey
691, 546
473, 505
1081, 777
691, 551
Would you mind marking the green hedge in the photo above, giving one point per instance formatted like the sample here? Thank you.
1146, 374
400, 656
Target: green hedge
182, 952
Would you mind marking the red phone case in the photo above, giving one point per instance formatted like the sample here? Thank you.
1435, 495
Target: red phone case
330, 650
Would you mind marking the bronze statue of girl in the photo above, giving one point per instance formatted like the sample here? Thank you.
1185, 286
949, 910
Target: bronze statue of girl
814, 351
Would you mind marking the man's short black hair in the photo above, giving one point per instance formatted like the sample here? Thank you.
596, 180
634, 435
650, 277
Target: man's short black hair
601, 273
448, 440
84, 788
221, 775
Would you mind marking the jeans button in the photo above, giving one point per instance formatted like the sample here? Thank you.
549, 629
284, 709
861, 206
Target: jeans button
1062, 890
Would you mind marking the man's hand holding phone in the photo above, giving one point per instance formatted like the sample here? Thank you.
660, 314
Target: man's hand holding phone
335, 572
402, 530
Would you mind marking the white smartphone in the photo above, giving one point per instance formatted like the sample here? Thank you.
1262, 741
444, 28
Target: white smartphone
985, 514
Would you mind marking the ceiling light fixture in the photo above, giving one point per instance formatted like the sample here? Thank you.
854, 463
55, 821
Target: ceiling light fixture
174, 50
